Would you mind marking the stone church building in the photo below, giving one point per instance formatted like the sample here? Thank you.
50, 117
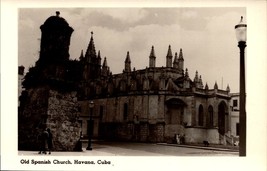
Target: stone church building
149, 105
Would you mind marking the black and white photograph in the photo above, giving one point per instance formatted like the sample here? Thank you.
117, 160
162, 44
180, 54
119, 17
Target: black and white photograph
120, 87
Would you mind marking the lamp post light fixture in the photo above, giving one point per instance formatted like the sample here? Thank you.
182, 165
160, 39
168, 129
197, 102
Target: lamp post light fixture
241, 35
90, 126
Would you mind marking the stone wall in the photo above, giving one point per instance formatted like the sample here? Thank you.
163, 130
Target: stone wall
198, 135
195, 135
43, 107
143, 131
32, 118
63, 120
213, 136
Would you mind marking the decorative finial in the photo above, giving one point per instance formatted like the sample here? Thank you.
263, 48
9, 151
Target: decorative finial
92, 33
206, 86
241, 19
57, 13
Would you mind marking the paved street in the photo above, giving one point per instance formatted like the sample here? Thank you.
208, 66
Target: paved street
138, 149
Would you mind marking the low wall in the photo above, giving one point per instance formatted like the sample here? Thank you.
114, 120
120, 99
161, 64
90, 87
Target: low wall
213, 136
198, 135
195, 135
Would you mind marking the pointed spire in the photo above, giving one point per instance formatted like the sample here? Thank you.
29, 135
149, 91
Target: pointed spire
228, 88
99, 55
181, 55
152, 53
186, 73
127, 62
105, 64
176, 57
152, 58
196, 77
206, 86
99, 58
105, 69
215, 85
169, 51
81, 56
175, 61
91, 47
169, 57
200, 80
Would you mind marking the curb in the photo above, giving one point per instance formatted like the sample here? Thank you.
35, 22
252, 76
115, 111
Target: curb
199, 147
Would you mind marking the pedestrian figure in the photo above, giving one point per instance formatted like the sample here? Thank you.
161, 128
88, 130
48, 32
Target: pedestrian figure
40, 141
49, 140
42, 138
178, 138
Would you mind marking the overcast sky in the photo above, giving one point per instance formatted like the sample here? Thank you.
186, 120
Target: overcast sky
206, 36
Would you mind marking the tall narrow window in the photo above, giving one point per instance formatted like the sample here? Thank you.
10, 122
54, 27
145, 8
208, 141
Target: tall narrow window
210, 116
200, 116
125, 111
235, 103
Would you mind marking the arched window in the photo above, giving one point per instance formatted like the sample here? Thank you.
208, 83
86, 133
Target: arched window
210, 109
200, 115
125, 111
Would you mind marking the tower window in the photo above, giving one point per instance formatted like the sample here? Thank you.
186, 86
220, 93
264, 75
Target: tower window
235, 103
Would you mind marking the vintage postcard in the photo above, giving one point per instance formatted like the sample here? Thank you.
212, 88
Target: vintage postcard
143, 86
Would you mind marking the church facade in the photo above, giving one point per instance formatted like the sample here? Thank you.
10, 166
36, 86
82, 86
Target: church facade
153, 104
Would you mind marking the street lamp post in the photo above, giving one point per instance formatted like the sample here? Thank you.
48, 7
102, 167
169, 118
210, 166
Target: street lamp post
241, 35
90, 126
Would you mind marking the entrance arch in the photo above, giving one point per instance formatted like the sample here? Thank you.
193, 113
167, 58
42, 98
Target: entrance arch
175, 111
222, 118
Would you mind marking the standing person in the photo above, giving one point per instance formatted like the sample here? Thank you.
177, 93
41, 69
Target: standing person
43, 141
49, 140
40, 141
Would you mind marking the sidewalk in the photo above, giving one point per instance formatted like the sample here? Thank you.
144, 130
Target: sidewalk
103, 148
94, 152
198, 146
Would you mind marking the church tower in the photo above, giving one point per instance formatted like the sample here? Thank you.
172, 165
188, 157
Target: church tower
169, 57
127, 63
152, 58
91, 61
55, 40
